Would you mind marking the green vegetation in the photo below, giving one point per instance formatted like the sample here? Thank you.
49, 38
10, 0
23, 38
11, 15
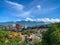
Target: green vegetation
9, 38
3, 36
6, 40
52, 35
29, 32
49, 37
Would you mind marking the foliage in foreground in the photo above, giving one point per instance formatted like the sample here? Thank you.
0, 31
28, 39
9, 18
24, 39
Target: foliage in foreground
52, 35
6, 40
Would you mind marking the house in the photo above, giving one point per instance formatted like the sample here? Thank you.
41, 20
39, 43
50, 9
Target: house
13, 27
36, 37
18, 27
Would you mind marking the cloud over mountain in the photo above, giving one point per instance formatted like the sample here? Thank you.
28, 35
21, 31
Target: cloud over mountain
43, 20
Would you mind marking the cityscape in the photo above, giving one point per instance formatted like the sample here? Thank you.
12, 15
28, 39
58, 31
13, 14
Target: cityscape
29, 22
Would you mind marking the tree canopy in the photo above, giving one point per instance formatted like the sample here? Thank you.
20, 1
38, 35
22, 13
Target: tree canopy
52, 35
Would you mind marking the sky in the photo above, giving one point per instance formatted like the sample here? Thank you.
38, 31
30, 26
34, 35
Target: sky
33, 10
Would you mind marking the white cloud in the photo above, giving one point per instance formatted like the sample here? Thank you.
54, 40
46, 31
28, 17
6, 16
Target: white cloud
49, 9
55, 20
49, 20
39, 7
29, 19
43, 20
15, 5
25, 14
19, 8
52, 8
32, 11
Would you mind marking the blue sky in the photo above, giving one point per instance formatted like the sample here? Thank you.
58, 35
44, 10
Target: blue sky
17, 10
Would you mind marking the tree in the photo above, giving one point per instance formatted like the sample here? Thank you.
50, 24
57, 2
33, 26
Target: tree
52, 35
3, 36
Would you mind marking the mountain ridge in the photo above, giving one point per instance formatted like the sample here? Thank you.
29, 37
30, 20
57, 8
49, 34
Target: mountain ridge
25, 23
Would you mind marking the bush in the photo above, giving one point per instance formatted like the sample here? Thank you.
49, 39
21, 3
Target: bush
52, 35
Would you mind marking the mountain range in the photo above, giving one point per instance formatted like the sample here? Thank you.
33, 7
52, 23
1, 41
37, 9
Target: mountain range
25, 23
